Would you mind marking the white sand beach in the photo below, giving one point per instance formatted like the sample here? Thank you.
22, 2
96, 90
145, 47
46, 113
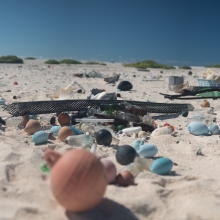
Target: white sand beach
191, 191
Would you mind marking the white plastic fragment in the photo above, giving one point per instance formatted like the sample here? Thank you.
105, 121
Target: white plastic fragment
93, 148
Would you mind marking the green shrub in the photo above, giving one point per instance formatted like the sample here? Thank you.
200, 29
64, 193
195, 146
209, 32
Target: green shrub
185, 67
70, 61
213, 66
148, 64
10, 59
30, 58
51, 62
95, 63
92, 63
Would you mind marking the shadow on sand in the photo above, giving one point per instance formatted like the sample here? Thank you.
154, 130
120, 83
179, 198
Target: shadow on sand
107, 209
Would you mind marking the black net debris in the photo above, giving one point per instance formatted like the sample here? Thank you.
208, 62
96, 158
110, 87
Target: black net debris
43, 107
207, 88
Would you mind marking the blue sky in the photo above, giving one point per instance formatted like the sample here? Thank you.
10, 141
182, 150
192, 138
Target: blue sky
174, 32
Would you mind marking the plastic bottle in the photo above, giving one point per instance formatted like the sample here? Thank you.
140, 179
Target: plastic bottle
199, 118
147, 119
69, 88
47, 119
93, 120
94, 74
13, 122
139, 165
92, 111
87, 127
72, 86
134, 169
75, 140
87, 141
129, 117
104, 96
129, 131
118, 120
144, 162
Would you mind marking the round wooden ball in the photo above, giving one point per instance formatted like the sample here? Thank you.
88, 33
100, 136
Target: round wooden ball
64, 132
78, 180
125, 154
110, 169
125, 178
32, 126
104, 137
63, 119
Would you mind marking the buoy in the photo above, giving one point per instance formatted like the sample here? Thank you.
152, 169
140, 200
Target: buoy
40, 137
161, 166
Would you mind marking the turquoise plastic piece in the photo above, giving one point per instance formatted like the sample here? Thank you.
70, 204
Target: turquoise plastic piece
198, 128
135, 144
2, 102
214, 129
161, 166
147, 150
40, 137
55, 130
75, 130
